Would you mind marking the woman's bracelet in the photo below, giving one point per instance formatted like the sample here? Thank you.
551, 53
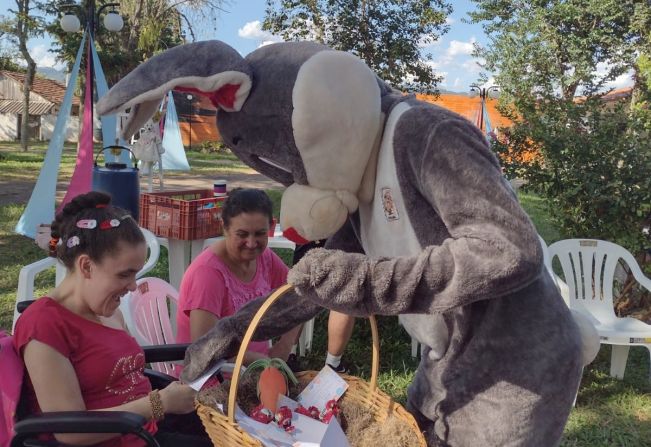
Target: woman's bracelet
157, 411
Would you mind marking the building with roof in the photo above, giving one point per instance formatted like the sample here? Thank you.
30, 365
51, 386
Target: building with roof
198, 124
45, 100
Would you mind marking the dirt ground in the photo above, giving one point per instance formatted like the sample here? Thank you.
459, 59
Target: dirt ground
20, 192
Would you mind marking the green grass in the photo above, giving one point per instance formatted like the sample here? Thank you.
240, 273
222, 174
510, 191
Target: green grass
608, 413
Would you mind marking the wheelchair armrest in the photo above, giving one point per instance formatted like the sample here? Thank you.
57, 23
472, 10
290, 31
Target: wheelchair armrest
22, 305
158, 379
164, 353
82, 422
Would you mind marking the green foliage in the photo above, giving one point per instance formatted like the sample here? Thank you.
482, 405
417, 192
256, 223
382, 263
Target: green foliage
210, 147
551, 49
386, 35
594, 157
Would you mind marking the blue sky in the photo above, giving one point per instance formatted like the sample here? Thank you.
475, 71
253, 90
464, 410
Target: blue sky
240, 28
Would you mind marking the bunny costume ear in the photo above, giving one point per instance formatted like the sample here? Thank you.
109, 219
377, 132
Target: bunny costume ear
211, 68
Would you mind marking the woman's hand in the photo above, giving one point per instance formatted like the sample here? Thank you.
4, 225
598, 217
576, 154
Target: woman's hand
178, 398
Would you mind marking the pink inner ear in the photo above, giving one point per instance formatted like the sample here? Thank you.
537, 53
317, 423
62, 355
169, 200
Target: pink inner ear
222, 98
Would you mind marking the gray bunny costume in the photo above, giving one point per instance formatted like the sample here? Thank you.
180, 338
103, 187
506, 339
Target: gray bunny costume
420, 223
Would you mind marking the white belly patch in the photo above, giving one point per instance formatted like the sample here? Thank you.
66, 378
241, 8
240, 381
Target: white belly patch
386, 231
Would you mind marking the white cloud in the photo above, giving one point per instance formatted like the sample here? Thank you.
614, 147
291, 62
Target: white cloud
457, 83
471, 65
253, 30
490, 83
424, 43
434, 64
44, 58
457, 48
444, 79
450, 21
623, 80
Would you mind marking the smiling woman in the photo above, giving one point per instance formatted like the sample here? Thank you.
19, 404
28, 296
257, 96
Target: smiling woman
233, 271
73, 341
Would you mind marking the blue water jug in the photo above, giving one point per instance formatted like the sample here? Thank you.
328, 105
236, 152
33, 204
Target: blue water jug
120, 181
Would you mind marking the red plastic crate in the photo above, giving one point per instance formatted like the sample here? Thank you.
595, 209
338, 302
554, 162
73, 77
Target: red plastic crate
186, 215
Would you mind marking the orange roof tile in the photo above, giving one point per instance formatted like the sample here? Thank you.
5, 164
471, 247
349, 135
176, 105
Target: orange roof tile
468, 107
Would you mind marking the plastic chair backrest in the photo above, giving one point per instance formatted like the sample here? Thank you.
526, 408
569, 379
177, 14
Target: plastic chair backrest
149, 309
154, 252
11, 371
589, 268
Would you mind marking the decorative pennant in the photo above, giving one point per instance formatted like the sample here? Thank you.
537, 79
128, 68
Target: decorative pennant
40, 208
174, 156
81, 181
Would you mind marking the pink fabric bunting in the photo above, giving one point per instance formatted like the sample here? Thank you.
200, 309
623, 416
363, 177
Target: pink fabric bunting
81, 181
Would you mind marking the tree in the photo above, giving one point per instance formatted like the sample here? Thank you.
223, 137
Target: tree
23, 26
7, 58
554, 60
388, 35
149, 27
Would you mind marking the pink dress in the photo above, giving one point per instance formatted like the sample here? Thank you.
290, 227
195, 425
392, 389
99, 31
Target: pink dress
108, 362
209, 285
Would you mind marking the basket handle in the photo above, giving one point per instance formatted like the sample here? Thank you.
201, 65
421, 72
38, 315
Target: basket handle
232, 394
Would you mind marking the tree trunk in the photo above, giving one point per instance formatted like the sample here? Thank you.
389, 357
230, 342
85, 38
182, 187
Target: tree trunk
22, 32
24, 123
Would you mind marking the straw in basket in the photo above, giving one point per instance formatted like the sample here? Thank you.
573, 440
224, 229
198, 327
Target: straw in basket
225, 432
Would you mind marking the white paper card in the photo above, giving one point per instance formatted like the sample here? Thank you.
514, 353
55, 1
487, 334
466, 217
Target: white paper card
269, 434
197, 384
327, 385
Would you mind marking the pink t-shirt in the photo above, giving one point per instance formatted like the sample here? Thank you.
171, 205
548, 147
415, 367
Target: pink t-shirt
209, 285
108, 362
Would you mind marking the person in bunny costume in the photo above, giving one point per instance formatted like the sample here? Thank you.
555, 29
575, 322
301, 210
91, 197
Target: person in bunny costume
420, 223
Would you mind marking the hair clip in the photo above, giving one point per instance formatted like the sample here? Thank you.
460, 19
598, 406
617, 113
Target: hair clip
73, 241
87, 224
52, 245
108, 224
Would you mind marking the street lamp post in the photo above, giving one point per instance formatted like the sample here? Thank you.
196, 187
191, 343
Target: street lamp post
484, 92
190, 119
112, 22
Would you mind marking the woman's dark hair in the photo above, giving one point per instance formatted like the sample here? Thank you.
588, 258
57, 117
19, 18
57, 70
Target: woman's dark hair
95, 242
241, 200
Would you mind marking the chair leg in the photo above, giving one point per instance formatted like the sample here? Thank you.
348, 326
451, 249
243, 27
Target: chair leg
309, 334
414, 347
305, 339
578, 388
618, 360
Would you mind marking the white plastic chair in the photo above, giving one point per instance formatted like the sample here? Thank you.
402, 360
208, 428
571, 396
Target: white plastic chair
27, 275
589, 269
149, 309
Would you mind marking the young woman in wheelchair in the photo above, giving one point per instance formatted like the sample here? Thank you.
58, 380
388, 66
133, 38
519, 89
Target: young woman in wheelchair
73, 341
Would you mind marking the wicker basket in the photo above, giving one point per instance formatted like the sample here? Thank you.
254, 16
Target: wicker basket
224, 431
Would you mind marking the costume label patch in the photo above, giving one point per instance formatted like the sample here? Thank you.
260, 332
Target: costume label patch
389, 206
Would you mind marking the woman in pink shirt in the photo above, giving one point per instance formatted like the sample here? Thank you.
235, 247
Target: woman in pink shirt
233, 271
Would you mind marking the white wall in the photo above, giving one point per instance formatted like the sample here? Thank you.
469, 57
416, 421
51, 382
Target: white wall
47, 127
8, 126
